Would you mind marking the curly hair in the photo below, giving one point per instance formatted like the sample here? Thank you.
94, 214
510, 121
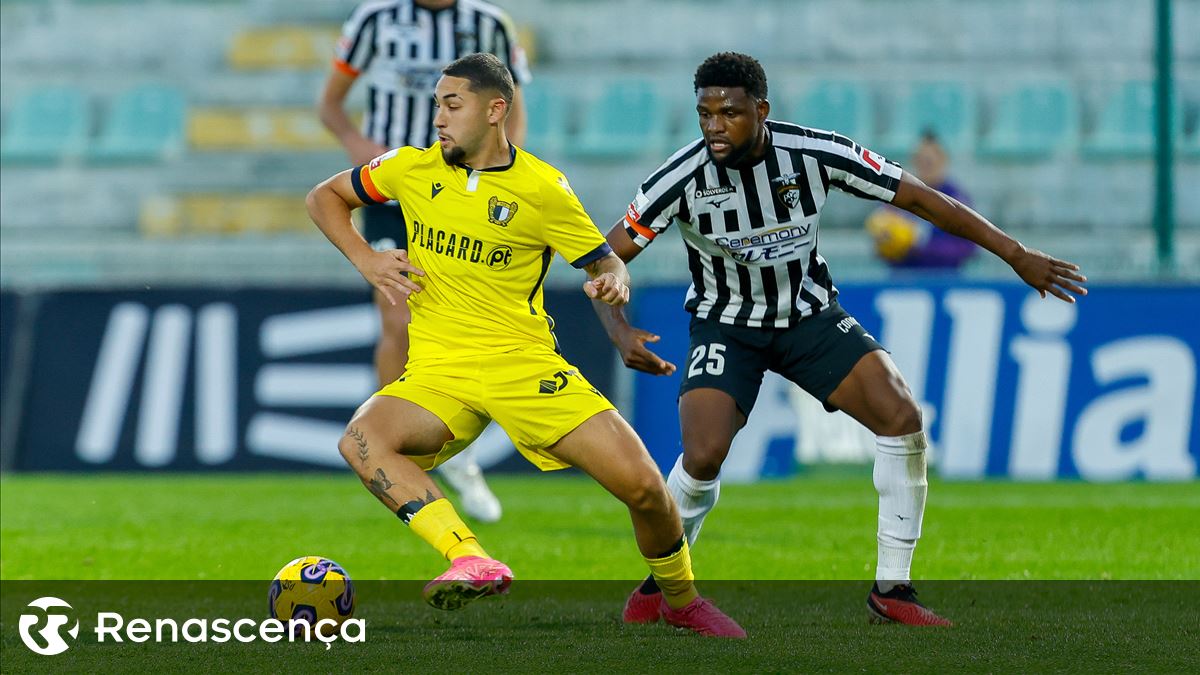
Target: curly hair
730, 69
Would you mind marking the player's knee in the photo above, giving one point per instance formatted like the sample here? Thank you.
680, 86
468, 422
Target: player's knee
348, 446
702, 459
647, 494
905, 419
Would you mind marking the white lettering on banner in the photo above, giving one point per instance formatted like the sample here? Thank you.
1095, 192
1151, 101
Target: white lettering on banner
334, 385
216, 378
969, 400
163, 384
1164, 406
318, 331
296, 439
1043, 375
112, 383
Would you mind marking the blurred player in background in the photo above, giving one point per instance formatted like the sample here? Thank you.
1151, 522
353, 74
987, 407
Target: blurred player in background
906, 241
486, 219
401, 47
748, 197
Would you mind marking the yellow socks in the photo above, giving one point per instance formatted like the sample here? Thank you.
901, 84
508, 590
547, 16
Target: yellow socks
439, 524
673, 574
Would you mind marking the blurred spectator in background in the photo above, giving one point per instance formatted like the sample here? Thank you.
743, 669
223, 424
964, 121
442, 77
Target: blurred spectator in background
905, 241
401, 47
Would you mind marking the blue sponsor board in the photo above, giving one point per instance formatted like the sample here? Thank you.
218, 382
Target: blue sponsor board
8, 323
198, 379
1011, 384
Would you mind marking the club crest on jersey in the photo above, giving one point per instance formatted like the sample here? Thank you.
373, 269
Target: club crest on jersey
788, 189
500, 213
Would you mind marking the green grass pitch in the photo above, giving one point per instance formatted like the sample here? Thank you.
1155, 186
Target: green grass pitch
819, 526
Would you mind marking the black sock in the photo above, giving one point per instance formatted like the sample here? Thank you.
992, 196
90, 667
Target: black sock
649, 587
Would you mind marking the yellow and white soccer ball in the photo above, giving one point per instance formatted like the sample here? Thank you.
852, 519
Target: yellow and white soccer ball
313, 589
895, 233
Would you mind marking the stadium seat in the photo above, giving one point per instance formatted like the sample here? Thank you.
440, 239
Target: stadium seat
946, 108
629, 118
1125, 127
145, 123
282, 47
1189, 147
835, 105
206, 214
46, 125
546, 110
259, 129
1033, 121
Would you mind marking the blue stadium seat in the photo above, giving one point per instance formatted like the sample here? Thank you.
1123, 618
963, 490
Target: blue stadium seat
1189, 147
1033, 121
835, 105
546, 111
143, 124
46, 125
629, 118
946, 108
1125, 127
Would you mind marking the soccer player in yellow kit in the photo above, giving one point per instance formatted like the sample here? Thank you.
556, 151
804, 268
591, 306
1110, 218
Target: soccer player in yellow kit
485, 219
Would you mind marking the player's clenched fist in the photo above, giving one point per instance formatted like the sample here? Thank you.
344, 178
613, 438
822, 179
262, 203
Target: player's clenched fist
607, 288
388, 270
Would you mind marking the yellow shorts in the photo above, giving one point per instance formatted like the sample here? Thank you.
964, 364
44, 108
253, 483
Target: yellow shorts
533, 394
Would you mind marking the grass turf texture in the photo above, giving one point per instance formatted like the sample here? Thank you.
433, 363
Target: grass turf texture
817, 526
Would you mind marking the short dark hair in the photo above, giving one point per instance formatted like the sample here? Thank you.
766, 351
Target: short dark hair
730, 69
483, 71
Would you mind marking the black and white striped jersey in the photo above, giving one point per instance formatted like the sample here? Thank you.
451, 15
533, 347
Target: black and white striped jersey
751, 233
401, 48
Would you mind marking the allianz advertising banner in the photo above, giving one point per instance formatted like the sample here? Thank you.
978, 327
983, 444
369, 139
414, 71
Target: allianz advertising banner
1011, 384
213, 380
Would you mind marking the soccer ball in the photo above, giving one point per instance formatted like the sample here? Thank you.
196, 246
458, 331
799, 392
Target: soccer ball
312, 588
895, 233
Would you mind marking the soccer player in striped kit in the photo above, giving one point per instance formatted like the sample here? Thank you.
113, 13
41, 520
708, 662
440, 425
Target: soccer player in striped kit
400, 47
747, 197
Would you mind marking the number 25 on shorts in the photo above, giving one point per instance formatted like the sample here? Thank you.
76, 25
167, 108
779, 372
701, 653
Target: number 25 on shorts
713, 365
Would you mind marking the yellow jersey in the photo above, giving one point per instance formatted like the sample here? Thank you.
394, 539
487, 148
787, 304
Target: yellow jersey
484, 239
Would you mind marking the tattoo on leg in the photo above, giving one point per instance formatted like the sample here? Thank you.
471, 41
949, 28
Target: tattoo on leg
379, 485
361, 440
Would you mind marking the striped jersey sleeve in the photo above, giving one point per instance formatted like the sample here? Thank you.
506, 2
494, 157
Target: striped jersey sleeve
663, 197
855, 169
356, 48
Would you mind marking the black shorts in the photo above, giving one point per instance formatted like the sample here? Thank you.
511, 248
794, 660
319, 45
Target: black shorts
817, 354
383, 226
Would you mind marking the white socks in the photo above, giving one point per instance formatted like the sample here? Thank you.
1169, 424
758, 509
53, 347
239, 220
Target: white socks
695, 498
900, 480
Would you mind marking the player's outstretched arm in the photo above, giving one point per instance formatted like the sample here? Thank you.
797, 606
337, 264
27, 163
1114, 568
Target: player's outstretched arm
329, 205
629, 341
1041, 271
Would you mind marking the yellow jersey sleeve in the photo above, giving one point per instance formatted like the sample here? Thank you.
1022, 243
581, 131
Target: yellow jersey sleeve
378, 181
568, 229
